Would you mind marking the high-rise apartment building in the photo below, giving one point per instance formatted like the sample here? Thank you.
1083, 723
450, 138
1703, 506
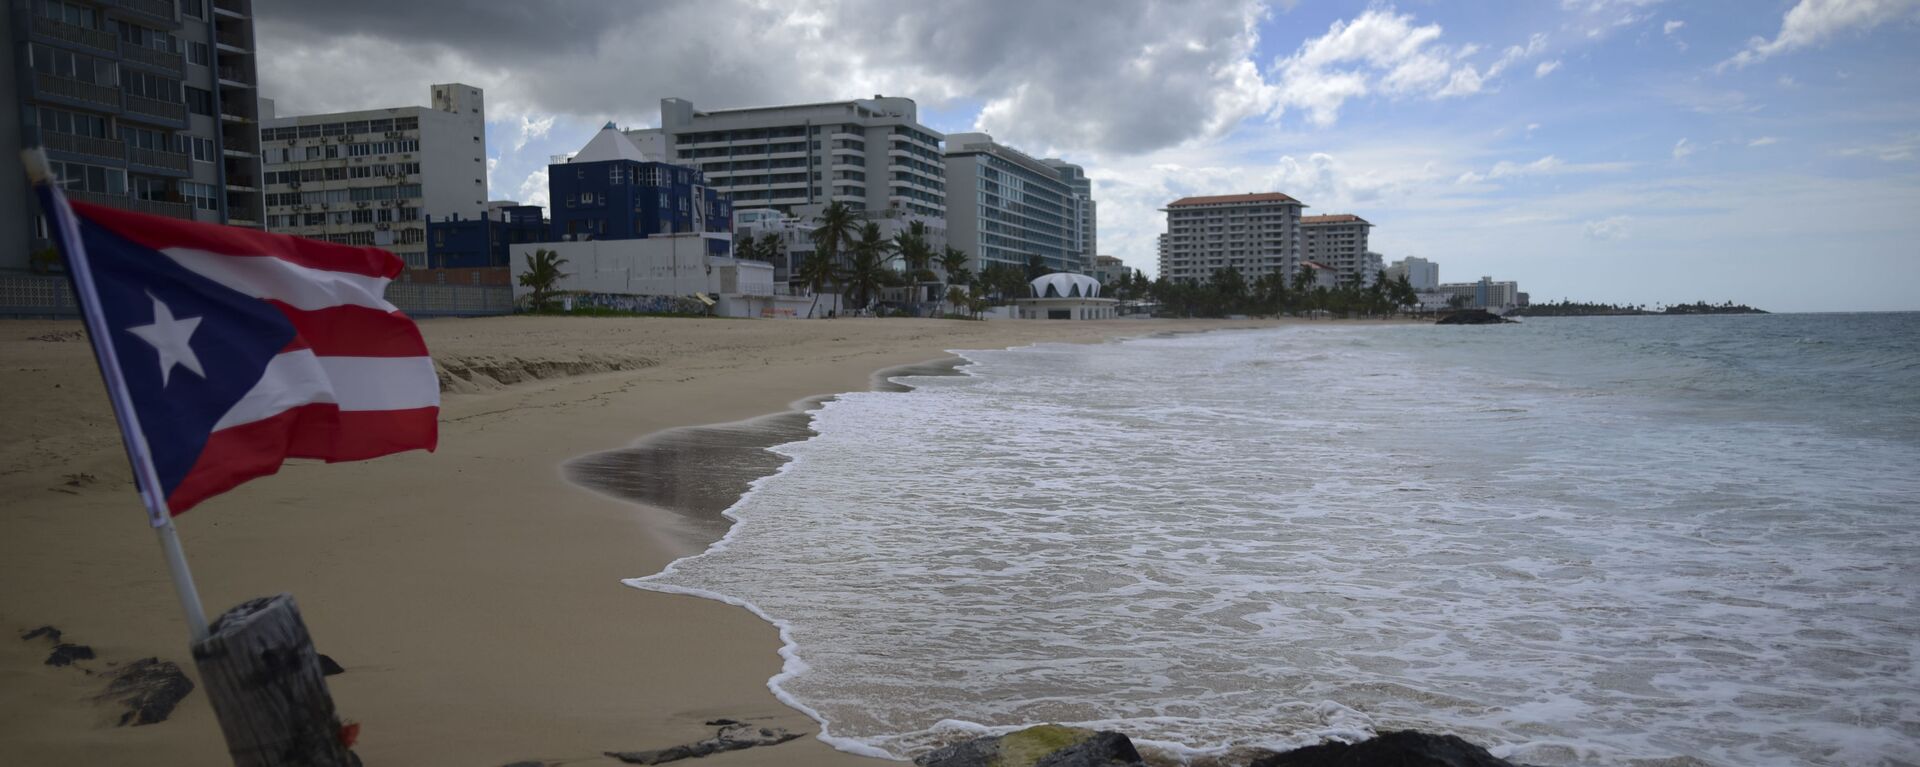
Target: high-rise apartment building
1008, 207
1085, 214
1339, 241
871, 154
148, 105
1255, 234
372, 176
1422, 274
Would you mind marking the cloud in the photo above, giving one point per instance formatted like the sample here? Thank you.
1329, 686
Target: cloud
1546, 68
1545, 166
530, 129
1608, 229
533, 191
1672, 26
1380, 52
1899, 149
1764, 141
1133, 76
1813, 22
1681, 149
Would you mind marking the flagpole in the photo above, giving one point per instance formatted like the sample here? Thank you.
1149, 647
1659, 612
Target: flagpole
60, 215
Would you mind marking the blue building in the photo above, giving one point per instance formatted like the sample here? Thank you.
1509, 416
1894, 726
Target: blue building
475, 243
611, 191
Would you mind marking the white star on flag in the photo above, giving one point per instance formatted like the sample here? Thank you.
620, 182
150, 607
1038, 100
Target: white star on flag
169, 337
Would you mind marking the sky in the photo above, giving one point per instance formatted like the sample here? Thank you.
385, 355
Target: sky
1622, 151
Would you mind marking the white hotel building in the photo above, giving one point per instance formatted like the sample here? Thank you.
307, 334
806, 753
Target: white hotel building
1008, 207
1255, 234
872, 154
1086, 214
371, 177
1340, 241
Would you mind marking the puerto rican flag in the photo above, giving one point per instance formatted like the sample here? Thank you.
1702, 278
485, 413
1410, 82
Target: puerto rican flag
236, 349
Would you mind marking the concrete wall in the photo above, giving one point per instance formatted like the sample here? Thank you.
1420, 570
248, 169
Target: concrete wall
17, 209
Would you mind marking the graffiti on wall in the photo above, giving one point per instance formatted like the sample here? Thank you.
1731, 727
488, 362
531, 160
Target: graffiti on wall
639, 304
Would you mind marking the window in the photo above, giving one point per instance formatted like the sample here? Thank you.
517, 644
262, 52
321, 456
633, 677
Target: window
77, 15
90, 178
586, 198
200, 195
151, 189
142, 37
199, 101
72, 123
194, 8
84, 68
199, 53
202, 148
314, 219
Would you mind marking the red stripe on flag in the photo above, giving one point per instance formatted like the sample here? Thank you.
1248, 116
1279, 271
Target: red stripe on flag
353, 331
321, 430
161, 232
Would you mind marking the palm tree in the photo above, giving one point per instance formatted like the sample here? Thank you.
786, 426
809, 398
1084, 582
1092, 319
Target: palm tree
817, 272
543, 271
953, 264
917, 255
838, 226
771, 248
745, 247
868, 271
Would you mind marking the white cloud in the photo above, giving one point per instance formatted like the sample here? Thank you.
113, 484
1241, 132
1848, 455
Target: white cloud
1899, 149
1545, 166
1764, 141
1681, 149
1813, 22
533, 191
1672, 26
1608, 229
1787, 81
530, 129
1546, 68
1380, 51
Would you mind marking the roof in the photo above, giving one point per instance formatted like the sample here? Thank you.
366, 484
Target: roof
1066, 285
1228, 198
1335, 218
610, 144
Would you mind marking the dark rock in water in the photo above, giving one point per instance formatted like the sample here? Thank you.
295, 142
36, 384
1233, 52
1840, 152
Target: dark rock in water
1046, 745
149, 688
52, 634
720, 722
1472, 317
1405, 748
64, 654
732, 737
328, 667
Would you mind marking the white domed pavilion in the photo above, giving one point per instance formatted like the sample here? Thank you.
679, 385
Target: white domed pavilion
1064, 296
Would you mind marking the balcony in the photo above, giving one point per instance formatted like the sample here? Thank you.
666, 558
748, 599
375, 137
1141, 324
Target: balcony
97, 198
167, 111
234, 8
87, 145
170, 209
170, 63
55, 85
147, 10
236, 77
159, 159
60, 30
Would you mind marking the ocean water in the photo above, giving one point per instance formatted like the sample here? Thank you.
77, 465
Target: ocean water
1581, 541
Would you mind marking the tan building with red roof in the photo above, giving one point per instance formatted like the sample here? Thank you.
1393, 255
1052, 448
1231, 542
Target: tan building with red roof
1255, 234
1340, 241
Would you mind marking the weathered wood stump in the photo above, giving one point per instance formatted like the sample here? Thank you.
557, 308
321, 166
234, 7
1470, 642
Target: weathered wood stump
263, 677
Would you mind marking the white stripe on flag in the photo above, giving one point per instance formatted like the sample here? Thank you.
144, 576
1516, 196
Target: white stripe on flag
300, 378
302, 287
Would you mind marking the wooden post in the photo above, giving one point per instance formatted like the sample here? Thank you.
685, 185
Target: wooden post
263, 677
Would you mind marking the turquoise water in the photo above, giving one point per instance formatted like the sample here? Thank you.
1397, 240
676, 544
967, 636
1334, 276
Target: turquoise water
1578, 541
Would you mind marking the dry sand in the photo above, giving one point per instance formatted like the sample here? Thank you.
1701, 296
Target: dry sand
472, 594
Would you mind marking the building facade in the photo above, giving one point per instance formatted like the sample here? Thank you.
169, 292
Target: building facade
1339, 241
1110, 270
482, 243
611, 190
1008, 207
1485, 294
148, 105
373, 177
1255, 234
1422, 274
871, 154
1085, 216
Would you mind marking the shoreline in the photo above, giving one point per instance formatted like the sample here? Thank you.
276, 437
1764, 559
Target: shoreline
474, 594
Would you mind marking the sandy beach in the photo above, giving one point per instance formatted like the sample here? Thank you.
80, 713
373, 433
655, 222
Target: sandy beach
473, 594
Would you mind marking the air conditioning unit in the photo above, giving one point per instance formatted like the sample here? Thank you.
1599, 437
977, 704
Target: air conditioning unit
293, 185
386, 203
360, 204
324, 206
393, 134
383, 227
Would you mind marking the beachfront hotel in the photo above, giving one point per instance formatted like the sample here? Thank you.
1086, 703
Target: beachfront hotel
1009, 207
871, 154
1340, 241
1086, 217
1254, 234
372, 176
1422, 274
147, 105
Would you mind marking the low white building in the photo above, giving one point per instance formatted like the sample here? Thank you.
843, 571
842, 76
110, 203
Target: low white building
1062, 296
660, 274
